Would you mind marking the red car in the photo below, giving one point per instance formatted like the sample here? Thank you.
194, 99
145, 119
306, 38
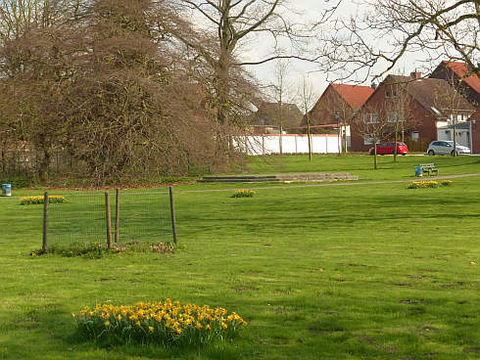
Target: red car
389, 148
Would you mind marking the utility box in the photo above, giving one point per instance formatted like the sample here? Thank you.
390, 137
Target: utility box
6, 190
418, 171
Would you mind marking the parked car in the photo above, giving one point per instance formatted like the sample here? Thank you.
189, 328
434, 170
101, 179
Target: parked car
389, 148
445, 148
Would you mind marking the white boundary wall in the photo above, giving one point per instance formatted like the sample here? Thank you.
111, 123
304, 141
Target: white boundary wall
291, 144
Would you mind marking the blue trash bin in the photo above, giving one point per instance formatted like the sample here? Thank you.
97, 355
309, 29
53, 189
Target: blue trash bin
6, 190
418, 171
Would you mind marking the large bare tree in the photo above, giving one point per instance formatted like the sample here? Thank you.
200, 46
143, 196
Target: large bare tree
104, 82
235, 23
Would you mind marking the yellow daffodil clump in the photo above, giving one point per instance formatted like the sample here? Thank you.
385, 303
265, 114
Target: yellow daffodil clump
166, 323
243, 193
52, 199
428, 184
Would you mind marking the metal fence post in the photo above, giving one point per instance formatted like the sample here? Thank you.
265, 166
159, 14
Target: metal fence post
172, 214
45, 223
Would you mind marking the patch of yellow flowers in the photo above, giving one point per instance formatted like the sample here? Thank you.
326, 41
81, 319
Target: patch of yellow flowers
428, 184
52, 199
166, 322
243, 193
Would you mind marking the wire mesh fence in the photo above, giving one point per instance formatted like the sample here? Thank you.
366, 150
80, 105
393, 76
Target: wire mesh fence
137, 216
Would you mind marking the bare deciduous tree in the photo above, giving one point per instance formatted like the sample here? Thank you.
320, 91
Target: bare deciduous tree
234, 24
307, 99
435, 28
373, 125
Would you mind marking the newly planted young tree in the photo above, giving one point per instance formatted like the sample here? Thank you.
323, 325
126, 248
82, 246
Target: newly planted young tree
373, 125
452, 108
398, 112
307, 99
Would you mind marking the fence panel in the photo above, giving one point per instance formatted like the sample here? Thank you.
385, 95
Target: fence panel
291, 144
144, 217
79, 220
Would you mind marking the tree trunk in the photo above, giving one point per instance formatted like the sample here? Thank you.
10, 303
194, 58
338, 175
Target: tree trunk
45, 164
454, 153
309, 134
340, 143
395, 149
280, 140
375, 155
4, 163
345, 140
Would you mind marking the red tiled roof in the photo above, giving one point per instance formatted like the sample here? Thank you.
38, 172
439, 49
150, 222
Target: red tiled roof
354, 95
461, 70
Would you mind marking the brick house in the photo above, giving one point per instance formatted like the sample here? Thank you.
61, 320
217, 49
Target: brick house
456, 75
335, 108
421, 106
270, 116
474, 122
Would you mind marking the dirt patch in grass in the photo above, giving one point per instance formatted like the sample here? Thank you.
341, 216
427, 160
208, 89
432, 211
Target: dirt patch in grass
284, 292
414, 301
244, 288
372, 341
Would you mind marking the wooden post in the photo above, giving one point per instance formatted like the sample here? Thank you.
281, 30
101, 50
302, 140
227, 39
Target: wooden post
172, 214
109, 220
45, 223
117, 216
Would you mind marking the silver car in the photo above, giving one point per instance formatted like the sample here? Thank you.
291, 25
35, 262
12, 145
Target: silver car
443, 147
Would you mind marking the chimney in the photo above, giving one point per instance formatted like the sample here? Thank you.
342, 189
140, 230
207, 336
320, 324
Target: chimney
416, 75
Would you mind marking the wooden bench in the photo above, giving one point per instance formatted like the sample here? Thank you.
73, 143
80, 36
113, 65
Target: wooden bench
429, 169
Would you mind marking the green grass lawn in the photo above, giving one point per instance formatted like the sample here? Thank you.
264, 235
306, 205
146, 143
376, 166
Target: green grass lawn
362, 165
341, 272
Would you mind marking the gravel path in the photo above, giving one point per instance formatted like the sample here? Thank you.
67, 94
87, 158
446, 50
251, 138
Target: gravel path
353, 183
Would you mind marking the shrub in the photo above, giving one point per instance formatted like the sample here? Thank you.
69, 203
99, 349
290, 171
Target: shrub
52, 199
17, 182
167, 323
97, 250
243, 193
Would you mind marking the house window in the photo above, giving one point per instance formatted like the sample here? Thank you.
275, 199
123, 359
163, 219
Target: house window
415, 135
392, 117
394, 93
387, 94
370, 118
368, 140
448, 135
